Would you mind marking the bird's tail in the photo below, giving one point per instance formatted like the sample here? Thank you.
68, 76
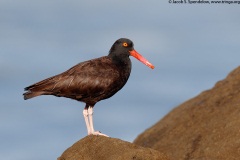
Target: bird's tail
37, 89
31, 94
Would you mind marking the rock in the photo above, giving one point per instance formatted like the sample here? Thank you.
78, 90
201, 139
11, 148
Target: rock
104, 148
205, 127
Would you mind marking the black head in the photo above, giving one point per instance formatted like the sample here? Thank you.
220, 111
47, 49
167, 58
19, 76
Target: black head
121, 48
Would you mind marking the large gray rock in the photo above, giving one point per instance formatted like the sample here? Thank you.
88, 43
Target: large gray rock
206, 127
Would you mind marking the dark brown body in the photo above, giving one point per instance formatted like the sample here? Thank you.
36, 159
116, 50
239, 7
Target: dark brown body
89, 81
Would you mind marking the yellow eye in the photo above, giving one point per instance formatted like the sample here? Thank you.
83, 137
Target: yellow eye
125, 44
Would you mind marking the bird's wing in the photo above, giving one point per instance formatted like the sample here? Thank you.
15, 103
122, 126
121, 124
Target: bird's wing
88, 78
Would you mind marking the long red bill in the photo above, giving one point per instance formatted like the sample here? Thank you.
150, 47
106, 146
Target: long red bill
138, 56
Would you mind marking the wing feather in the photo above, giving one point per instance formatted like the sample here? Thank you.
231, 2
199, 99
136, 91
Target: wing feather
86, 80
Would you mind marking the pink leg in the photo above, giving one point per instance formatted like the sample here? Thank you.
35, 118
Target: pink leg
85, 115
88, 117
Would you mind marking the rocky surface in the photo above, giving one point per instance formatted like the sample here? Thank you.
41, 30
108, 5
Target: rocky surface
204, 127
104, 148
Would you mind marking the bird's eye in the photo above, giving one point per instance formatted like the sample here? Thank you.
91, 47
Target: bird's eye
125, 44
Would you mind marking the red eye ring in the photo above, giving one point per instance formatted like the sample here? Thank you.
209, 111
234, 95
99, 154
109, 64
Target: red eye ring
125, 44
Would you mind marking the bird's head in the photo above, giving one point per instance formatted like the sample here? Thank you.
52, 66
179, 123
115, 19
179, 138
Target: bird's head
123, 48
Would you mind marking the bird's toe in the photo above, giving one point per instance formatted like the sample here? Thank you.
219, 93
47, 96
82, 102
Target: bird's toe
98, 133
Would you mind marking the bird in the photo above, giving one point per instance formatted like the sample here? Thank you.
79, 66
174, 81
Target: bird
91, 81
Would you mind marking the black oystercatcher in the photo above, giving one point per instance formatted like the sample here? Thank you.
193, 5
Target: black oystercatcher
91, 81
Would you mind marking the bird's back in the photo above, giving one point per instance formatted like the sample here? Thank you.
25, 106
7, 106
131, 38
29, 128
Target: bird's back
89, 81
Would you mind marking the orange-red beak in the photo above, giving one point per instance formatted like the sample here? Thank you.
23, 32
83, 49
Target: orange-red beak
138, 56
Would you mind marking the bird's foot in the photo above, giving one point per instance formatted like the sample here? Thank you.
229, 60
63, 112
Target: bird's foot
98, 133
